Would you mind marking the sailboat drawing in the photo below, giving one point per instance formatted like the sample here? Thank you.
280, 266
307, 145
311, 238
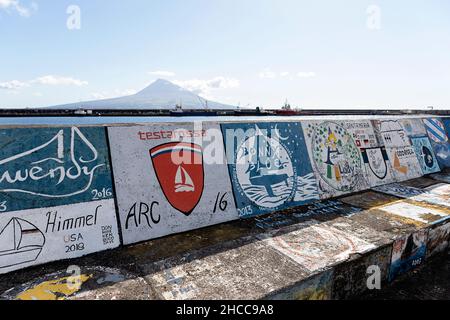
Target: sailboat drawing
183, 182
267, 169
20, 242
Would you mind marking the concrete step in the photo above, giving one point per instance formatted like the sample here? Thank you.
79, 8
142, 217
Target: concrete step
320, 251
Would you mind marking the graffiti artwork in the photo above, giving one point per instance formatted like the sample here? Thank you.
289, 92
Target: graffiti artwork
169, 179
408, 253
405, 165
56, 197
269, 167
378, 166
336, 158
437, 132
391, 133
425, 154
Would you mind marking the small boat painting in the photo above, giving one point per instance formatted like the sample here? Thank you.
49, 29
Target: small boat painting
20, 242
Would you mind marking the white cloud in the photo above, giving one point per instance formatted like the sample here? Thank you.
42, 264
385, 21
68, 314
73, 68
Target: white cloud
204, 87
267, 74
161, 73
15, 5
13, 85
284, 74
59, 81
306, 74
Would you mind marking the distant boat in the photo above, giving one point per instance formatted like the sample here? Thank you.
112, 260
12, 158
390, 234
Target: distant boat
20, 242
183, 182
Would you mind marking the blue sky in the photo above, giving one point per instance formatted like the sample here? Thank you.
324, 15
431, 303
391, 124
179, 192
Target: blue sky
321, 54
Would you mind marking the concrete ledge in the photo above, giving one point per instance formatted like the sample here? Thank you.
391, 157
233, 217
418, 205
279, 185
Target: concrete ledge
321, 251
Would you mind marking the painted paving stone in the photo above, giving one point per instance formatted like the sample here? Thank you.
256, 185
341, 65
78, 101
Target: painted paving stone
369, 200
317, 247
422, 213
405, 165
419, 183
269, 167
391, 133
408, 253
336, 158
425, 154
441, 177
170, 179
437, 132
438, 239
309, 214
399, 190
56, 196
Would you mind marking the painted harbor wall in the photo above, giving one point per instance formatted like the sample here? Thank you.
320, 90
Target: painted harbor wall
66, 192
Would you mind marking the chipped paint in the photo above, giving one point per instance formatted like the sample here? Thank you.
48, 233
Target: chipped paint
58, 289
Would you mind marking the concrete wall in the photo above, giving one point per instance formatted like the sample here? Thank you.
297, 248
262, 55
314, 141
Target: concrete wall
56, 196
58, 200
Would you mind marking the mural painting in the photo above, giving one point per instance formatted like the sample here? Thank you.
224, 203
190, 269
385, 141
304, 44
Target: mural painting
437, 133
414, 127
56, 196
425, 155
378, 166
336, 158
399, 190
391, 133
170, 179
408, 253
269, 167
362, 133
405, 165
438, 239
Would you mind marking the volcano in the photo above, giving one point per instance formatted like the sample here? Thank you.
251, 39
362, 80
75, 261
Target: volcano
160, 95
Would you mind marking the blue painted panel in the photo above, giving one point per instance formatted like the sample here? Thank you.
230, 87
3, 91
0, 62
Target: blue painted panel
269, 167
425, 154
437, 132
47, 167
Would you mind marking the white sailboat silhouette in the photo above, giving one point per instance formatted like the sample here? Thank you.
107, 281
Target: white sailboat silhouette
183, 182
20, 242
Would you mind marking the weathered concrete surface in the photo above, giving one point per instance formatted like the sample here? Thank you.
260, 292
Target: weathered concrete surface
321, 251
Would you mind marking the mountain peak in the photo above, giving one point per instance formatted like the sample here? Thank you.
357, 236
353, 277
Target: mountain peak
159, 95
160, 85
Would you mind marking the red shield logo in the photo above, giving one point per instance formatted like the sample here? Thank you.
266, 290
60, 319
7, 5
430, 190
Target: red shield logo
179, 169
